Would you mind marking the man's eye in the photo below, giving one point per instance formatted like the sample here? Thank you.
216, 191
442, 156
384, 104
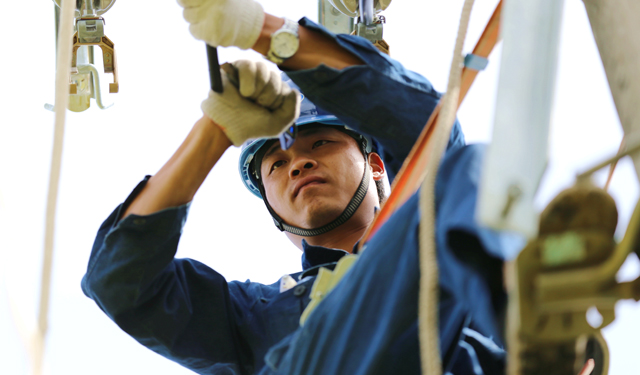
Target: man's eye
320, 143
276, 165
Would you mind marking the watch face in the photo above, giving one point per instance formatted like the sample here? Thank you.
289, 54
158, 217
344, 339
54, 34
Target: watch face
284, 44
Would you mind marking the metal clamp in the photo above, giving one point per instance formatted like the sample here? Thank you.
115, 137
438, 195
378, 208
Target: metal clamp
369, 25
90, 30
371, 32
92, 34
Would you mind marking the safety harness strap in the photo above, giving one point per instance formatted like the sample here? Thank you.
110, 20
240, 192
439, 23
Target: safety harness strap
413, 170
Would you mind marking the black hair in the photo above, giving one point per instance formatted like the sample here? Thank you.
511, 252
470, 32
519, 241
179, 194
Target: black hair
380, 189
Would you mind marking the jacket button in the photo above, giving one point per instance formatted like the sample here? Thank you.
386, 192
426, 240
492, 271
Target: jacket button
299, 290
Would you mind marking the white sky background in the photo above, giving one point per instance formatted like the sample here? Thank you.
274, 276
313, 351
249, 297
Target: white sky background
163, 79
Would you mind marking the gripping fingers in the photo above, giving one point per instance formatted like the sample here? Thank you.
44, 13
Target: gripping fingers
259, 83
289, 111
253, 77
271, 96
283, 91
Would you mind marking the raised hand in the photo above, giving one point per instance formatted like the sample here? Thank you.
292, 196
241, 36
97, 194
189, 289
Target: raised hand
261, 106
224, 23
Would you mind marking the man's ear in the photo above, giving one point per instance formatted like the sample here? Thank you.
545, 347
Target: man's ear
377, 166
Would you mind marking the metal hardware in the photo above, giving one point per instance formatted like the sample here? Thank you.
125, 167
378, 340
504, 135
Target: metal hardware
564, 274
373, 33
108, 57
333, 19
81, 84
84, 81
90, 30
97, 92
90, 7
84, 84
369, 25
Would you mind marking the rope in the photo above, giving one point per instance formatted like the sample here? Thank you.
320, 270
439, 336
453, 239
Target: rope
428, 295
63, 62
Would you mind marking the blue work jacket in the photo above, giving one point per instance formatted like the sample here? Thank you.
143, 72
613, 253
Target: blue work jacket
187, 312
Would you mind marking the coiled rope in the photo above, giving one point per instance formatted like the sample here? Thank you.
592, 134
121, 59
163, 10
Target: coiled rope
63, 62
428, 295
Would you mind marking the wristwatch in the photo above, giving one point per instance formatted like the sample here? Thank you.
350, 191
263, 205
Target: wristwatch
284, 42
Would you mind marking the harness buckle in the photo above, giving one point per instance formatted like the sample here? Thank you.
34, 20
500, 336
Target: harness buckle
475, 62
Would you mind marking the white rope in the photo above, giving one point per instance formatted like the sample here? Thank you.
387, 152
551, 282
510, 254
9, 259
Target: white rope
428, 296
65, 34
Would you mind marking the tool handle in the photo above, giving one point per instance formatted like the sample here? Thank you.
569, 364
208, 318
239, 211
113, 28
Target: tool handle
214, 69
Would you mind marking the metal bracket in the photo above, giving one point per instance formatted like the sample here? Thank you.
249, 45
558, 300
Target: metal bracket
373, 32
334, 20
97, 92
93, 35
568, 271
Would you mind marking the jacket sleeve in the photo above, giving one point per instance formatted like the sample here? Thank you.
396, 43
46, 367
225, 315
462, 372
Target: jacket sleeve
178, 308
380, 98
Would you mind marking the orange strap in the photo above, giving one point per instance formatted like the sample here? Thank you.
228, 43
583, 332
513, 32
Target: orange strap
612, 167
413, 170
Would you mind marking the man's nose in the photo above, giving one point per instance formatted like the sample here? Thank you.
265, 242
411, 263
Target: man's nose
301, 164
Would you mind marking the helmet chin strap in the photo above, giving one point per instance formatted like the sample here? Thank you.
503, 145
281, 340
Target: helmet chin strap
351, 208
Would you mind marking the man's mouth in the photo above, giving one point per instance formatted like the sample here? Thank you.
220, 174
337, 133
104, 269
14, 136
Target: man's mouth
307, 181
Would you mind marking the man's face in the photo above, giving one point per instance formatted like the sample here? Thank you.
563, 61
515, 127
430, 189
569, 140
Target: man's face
310, 184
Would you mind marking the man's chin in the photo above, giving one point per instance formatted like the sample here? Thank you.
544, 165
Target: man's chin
321, 215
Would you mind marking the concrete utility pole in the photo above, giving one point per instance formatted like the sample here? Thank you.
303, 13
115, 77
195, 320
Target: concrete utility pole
616, 28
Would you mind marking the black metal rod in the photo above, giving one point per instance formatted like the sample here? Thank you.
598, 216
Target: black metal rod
214, 69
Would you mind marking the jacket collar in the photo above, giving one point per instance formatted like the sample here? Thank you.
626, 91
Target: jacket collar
313, 256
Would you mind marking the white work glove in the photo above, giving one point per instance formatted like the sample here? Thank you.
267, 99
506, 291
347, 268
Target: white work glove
350, 7
263, 106
224, 23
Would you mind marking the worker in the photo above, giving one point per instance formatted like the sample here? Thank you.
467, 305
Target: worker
323, 193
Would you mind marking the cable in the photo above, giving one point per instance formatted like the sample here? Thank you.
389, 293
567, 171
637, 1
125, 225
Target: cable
63, 63
428, 295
